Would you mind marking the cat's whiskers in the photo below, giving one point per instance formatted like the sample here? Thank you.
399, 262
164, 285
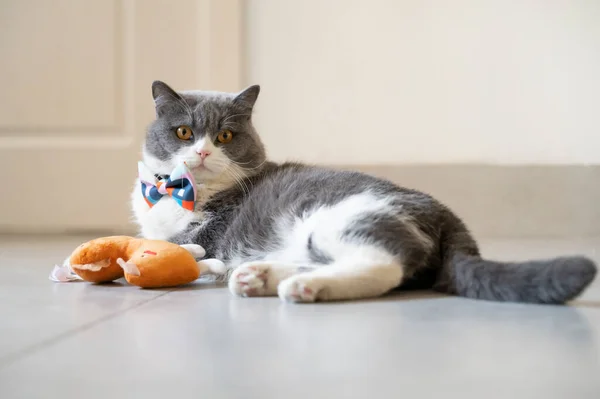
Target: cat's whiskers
224, 167
235, 180
238, 179
184, 105
227, 123
228, 117
241, 165
241, 178
232, 126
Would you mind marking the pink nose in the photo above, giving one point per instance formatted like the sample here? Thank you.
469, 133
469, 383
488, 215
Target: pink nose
203, 153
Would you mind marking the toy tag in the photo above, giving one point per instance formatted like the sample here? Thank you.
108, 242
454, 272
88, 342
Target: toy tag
63, 273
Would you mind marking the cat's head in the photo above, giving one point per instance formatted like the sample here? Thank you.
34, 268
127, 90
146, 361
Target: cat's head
211, 132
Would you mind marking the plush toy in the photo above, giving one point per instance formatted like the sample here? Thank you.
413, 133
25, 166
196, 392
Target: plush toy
145, 263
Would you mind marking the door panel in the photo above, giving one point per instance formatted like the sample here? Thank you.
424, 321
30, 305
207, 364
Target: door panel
55, 56
76, 98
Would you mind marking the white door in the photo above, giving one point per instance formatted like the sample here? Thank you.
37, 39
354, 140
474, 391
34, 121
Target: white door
75, 98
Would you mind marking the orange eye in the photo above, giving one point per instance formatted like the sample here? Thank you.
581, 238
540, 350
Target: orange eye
225, 136
184, 132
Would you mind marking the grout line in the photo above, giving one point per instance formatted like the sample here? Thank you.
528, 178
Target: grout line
45, 343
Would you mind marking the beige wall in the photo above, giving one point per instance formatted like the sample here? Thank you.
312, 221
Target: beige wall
405, 81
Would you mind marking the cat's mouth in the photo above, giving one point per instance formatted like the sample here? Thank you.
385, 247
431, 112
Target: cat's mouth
197, 166
201, 167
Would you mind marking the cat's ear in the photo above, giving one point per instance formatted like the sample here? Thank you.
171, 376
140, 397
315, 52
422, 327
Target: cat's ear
247, 97
163, 96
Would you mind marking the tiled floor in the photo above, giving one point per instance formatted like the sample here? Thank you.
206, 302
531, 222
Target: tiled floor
78, 340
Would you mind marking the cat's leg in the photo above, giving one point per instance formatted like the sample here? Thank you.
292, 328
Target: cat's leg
261, 278
371, 246
342, 280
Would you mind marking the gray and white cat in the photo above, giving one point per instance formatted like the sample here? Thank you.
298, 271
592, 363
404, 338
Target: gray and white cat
308, 233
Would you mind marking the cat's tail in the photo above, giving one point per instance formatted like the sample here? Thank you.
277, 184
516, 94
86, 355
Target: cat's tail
550, 281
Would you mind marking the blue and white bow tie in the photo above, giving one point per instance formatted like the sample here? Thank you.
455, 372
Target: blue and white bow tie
179, 185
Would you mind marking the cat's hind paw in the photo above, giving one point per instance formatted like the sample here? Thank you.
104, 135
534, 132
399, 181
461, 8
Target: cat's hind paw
299, 289
250, 279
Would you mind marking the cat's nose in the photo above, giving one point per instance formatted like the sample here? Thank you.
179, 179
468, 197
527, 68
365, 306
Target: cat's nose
203, 153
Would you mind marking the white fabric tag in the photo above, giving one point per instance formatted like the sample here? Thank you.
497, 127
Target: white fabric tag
64, 273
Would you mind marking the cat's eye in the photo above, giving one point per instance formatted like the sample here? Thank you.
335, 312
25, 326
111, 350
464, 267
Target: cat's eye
184, 132
225, 136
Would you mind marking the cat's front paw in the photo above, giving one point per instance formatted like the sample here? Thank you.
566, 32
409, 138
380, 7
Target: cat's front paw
250, 279
300, 288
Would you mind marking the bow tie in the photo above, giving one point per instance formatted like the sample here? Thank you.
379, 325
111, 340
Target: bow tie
179, 185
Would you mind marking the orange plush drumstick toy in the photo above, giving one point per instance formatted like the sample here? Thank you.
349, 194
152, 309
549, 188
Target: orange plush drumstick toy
145, 263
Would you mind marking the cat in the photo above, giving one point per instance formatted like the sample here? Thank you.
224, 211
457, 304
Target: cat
308, 233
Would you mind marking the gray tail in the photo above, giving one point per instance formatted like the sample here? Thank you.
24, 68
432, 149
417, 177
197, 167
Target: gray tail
552, 281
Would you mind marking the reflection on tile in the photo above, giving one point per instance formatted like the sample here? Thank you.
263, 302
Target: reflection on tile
33, 309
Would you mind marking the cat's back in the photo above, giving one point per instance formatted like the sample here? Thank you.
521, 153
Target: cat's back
298, 187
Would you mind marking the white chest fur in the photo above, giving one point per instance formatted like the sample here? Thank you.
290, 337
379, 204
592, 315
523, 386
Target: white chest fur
164, 220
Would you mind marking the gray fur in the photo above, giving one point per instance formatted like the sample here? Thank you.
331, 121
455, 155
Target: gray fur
432, 243
317, 255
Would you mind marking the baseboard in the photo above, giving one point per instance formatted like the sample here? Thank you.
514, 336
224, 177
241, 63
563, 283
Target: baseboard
509, 201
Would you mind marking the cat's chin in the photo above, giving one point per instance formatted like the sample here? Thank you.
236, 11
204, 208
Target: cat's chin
205, 175
202, 173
